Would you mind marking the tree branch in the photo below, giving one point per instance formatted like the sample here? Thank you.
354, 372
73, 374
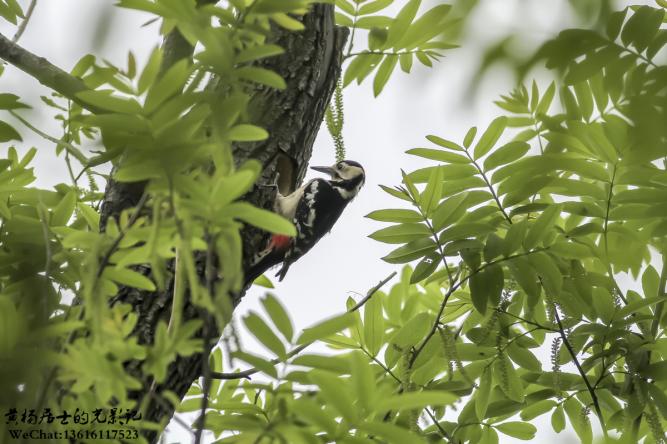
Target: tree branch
300, 348
44, 72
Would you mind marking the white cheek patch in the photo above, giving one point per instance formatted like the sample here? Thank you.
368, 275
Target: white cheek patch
349, 194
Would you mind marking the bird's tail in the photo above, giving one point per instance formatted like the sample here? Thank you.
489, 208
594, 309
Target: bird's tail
270, 257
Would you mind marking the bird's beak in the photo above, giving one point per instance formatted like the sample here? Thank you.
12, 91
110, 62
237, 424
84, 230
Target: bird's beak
324, 169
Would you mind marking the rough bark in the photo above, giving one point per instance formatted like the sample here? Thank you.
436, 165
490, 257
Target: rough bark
311, 67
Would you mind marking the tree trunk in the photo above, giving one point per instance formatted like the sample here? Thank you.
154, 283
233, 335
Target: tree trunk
311, 67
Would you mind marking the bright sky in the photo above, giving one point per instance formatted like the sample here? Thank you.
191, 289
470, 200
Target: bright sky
377, 133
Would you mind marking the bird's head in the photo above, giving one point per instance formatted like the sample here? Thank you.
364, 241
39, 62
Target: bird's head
343, 170
347, 175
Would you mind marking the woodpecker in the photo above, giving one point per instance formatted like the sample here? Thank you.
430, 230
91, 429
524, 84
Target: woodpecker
314, 208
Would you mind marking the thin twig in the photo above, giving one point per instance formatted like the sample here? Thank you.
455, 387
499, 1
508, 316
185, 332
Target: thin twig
589, 387
133, 219
436, 423
24, 23
490, 187
455, 287
206, 386
74, 151
167, 407
251, 371
371, 292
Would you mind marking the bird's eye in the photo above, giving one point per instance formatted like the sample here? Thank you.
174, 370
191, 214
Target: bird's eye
340, 165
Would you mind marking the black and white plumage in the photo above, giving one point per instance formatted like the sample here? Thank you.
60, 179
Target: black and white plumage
314, 208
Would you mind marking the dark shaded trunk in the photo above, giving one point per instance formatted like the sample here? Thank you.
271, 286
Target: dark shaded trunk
311, 67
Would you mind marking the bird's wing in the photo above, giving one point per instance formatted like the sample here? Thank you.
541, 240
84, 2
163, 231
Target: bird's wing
317, 212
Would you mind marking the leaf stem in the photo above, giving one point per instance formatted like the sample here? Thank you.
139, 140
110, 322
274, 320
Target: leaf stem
455, 287
589, 387
490, 187
24, 24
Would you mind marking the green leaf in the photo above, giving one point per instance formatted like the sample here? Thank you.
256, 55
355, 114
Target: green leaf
91, 216
444, 143
634, 307
7, 132
363, 380
541, 227
262, 76
171, 83
469, 137
432, 194
523, 358
507, 153
585, 98
128, 277
510, 383
659, 398
392, 433
516, 429
539, 408
263, 333
425, 268
485, 286
493, 247
483, 393
311, 412
642, 26
614, 23
384, 73
335, 393
439, 155
104, 100
580, 423
397, 216
415, 400
11, 101
343, 20
449, 211
526, 277
10, 330
247, 133
326, 328
411, 251
63, 211
266, 220
489, 436
552, 279
335, 364
558, 419
374, 6
427, 27
256, 52
402, 22
547, 98
401, 234
413, 331
373, 325
278, 315
261, 364
490, 137
150, 71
